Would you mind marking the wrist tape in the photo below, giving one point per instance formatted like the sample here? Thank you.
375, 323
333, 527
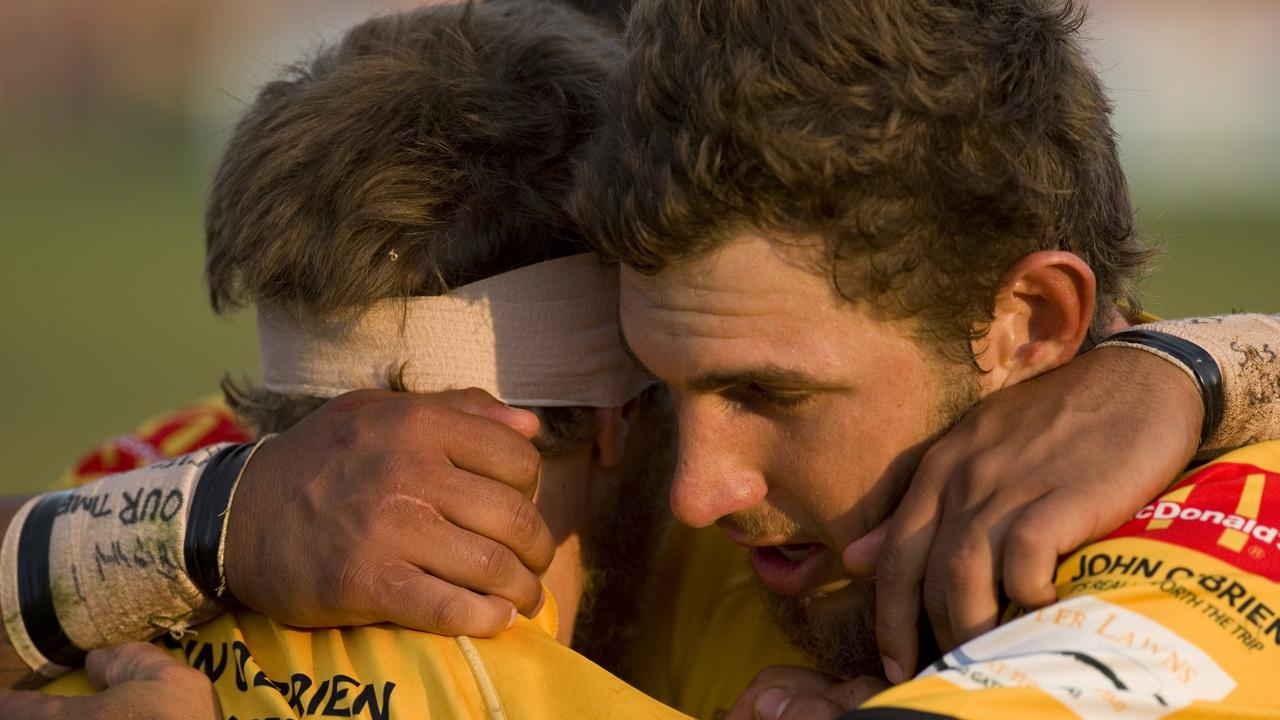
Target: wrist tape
124, 558
1246, 350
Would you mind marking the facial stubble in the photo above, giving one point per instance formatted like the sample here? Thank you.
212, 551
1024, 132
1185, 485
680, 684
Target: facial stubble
837, 631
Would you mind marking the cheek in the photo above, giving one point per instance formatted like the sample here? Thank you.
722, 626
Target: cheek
844, 466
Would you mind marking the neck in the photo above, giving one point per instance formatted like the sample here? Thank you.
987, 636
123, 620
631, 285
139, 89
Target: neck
566, 582
563, 499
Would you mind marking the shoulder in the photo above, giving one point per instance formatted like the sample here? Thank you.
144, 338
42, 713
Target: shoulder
261, 668
1177, 610
205, 422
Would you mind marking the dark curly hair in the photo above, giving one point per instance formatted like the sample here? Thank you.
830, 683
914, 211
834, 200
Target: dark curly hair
929, 144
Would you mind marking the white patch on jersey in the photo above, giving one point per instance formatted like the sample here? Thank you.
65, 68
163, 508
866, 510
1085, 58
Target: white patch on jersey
1098, 659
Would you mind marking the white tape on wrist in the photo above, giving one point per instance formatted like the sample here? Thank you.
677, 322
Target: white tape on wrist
102, 564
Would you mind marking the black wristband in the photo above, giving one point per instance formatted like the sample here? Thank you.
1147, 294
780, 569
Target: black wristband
205, 524
35, 591
1196, 359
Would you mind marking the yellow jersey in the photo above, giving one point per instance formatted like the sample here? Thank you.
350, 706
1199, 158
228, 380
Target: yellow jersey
1174, 615
702, 641
708, 632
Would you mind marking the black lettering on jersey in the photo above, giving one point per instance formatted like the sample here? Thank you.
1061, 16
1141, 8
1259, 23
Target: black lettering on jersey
318, 697
204, 661
260, 679
339, 694
1101, 564
298, 685
1251, 609
241, 653
368, 698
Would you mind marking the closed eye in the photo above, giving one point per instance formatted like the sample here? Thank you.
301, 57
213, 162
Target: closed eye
759, 397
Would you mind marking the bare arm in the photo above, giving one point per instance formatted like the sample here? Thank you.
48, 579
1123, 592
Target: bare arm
1042, 467
382, 506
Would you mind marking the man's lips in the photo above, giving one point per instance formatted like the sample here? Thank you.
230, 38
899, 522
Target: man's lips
786, 565
788, 569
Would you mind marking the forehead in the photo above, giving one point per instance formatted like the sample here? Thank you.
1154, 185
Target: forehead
752, 302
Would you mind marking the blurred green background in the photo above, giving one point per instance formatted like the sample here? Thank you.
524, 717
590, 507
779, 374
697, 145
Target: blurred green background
111, 115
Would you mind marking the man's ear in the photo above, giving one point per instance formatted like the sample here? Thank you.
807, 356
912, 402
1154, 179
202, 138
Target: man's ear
1041, 317
611, 436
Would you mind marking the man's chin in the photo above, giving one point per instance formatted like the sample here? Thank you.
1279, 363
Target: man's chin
834, 626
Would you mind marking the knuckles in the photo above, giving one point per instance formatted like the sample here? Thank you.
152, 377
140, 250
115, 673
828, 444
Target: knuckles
525, 523
362, 583
449, 614
811, 707
495, 564
526, 463
965, 559
1021, 538
473, 398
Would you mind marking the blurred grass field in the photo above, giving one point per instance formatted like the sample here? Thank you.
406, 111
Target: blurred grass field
104, 322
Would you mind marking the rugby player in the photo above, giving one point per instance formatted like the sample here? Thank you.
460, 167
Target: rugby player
842, 224
411, 181
1161, 361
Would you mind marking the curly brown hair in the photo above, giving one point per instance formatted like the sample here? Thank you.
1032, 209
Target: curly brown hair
929, 144
425, 150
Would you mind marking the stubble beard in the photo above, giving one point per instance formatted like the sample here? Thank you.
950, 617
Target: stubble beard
840, 640
838, 631
621, 543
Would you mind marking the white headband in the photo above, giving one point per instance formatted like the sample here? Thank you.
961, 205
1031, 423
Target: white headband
543, 335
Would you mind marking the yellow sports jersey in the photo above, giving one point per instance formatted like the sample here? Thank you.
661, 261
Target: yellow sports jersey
708, 633
1174, 615
261, 669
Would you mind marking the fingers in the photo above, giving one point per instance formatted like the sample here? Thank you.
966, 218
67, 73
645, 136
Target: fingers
477, 563
785, 704
405, 596
853, 694
486, 448
408, 423
900, 569
961, 591
503, 515
475, 401
785, 678
861, 556
131, 661
1052, 526
140, 680
791, 703
33, 705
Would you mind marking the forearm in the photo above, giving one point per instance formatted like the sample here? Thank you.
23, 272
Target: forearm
1246, 350
123, 558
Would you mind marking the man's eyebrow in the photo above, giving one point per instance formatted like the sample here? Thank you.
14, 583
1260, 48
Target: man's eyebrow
767, 375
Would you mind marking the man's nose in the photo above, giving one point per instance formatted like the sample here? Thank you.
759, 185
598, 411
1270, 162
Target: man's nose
714, 474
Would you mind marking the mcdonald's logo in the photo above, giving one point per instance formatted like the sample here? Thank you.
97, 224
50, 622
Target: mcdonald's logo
1238, 526
1228, 510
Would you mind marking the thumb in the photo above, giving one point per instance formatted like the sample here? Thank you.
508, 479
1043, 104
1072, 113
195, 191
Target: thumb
475, 401
131, 661
861, 555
